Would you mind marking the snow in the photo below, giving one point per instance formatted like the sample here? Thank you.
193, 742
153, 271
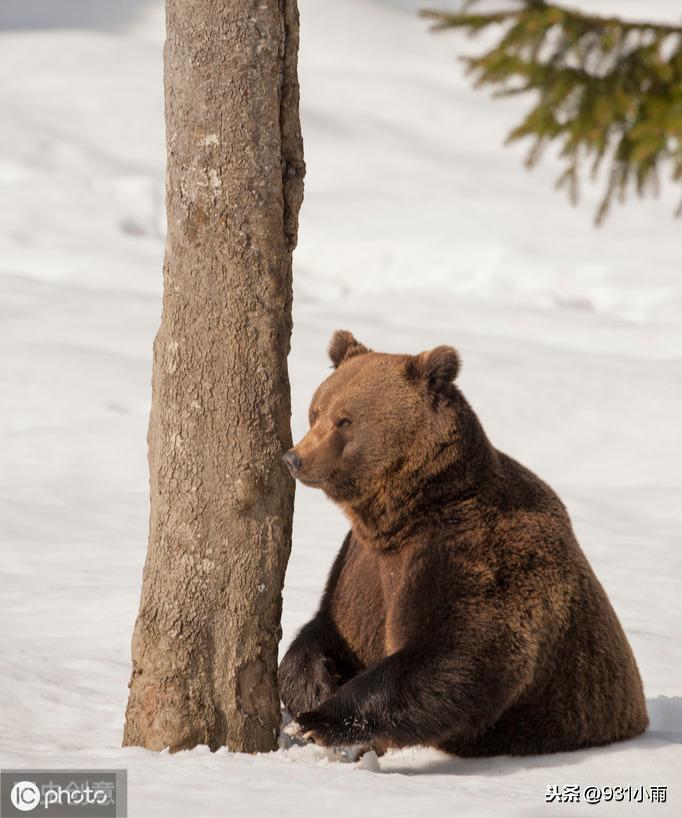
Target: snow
418, 228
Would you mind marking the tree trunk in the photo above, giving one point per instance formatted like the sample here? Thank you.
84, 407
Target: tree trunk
205, 643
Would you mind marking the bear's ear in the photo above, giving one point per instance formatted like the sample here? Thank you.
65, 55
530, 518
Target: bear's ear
437, 367
343, 346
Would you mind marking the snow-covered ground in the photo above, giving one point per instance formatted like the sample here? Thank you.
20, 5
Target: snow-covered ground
418, 228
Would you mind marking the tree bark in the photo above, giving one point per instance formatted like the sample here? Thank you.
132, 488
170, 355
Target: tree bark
204, 648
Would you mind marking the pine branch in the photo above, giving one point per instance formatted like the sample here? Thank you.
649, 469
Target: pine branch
607, 90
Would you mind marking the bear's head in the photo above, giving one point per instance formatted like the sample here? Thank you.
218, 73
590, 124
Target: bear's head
377, 415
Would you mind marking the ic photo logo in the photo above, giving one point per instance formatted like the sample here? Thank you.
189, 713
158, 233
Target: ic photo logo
63, 793
25, 795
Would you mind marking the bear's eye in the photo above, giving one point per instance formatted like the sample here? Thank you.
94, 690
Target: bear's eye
340, 424
313, 416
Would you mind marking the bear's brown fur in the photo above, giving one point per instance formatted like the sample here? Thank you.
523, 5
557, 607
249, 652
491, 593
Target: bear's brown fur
460, 612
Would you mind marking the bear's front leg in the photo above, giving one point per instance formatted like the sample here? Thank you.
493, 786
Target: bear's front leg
314, 667
305, 680
363, 711
328, 731
417, 696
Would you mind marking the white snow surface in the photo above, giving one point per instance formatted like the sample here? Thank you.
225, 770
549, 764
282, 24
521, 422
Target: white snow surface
418, 228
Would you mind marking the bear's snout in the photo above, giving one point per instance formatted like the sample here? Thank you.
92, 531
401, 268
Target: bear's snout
292, 461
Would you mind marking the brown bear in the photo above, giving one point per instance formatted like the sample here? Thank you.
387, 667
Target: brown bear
461, 612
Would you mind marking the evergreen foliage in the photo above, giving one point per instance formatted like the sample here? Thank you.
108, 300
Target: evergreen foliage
609, 91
